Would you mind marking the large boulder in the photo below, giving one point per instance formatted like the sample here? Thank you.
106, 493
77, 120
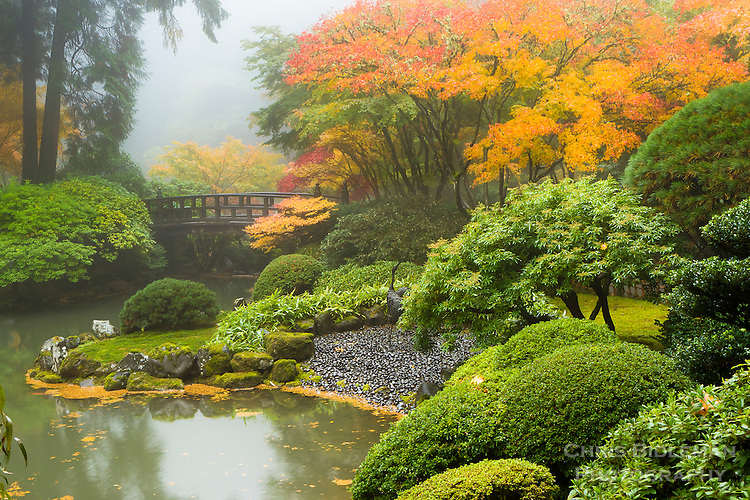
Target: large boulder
175, 361
116, 381
53, 352
290, 345
284, 370
141, 381
248, 361
103, 329
214, 360
242, 380
134, 362
78, 365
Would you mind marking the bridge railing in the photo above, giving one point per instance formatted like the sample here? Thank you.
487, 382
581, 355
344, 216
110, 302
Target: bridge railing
217, 208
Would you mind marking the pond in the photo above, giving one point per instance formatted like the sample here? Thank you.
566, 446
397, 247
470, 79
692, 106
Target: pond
258, 444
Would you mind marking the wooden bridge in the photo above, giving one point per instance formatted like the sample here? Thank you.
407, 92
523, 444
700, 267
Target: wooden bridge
219, 213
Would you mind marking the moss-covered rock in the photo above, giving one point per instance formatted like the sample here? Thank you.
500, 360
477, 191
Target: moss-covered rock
116, 381
249, 361
242, 380
305, 325
141, 381
284, 370
78, 364
45, 376
348, 323
290, 345
214, 360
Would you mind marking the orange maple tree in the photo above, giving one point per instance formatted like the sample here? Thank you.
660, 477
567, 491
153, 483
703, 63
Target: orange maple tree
299, 220
524, 88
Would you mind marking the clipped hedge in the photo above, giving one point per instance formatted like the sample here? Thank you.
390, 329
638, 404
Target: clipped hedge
501, 361
169, 304
487, 480
696, 445
457, 426
293, 273
563, 403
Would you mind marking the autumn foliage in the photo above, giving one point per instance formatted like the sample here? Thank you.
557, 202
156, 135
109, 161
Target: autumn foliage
299, 220
230, 168
411, 93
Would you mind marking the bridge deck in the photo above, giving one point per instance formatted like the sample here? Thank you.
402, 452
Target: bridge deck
216, 213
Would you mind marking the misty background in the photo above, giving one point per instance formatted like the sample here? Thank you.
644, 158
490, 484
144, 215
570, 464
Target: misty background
203, 93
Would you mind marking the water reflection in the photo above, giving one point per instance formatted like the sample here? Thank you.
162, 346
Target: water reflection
265, 444
258, 444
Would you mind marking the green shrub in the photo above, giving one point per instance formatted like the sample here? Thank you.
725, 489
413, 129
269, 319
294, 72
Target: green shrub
390, 229
487, 480
560, 405
351, 277
695, 164
167, 304
293, 273
696, 445
730, 231
457, 426
706, 350
501, 361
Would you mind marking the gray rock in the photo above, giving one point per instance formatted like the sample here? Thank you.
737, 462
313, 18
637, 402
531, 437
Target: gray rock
52, 354
134, 362
180, 366
323, 323
103, 329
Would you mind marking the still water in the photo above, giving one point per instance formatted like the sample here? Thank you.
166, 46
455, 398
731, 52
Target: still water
259, 444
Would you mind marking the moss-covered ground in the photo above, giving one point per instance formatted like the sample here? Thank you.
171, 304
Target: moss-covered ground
112, 350
634, 319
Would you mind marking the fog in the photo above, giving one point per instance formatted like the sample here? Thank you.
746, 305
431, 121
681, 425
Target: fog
203, 93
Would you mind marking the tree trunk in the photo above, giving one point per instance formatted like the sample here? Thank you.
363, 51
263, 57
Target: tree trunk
30, 161
571, 302
55, 85
601, 287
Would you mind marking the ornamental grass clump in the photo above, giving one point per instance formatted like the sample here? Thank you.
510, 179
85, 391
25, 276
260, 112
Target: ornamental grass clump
695, 445
169, 304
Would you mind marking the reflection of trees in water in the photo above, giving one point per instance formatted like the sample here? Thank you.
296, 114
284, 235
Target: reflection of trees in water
315, 441
106, 451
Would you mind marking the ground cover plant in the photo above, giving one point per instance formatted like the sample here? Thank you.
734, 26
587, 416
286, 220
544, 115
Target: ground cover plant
169, 303
501, 271
695, 445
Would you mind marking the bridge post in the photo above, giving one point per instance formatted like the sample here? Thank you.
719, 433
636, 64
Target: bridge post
317, 191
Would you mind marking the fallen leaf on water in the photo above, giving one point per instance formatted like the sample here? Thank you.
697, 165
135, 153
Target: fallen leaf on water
343, 482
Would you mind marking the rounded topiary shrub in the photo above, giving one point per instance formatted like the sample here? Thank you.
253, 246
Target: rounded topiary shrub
487, 480
696, 445
169, 303
562, 404
537, 340
293, 273
457, 426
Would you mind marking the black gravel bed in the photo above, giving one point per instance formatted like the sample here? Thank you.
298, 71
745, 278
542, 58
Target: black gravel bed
381, 365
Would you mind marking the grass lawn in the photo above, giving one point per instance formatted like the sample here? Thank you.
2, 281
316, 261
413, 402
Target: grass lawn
633, 318
112, 350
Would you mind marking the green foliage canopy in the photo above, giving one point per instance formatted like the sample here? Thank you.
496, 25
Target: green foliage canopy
695, 164
59, 231
498, 273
